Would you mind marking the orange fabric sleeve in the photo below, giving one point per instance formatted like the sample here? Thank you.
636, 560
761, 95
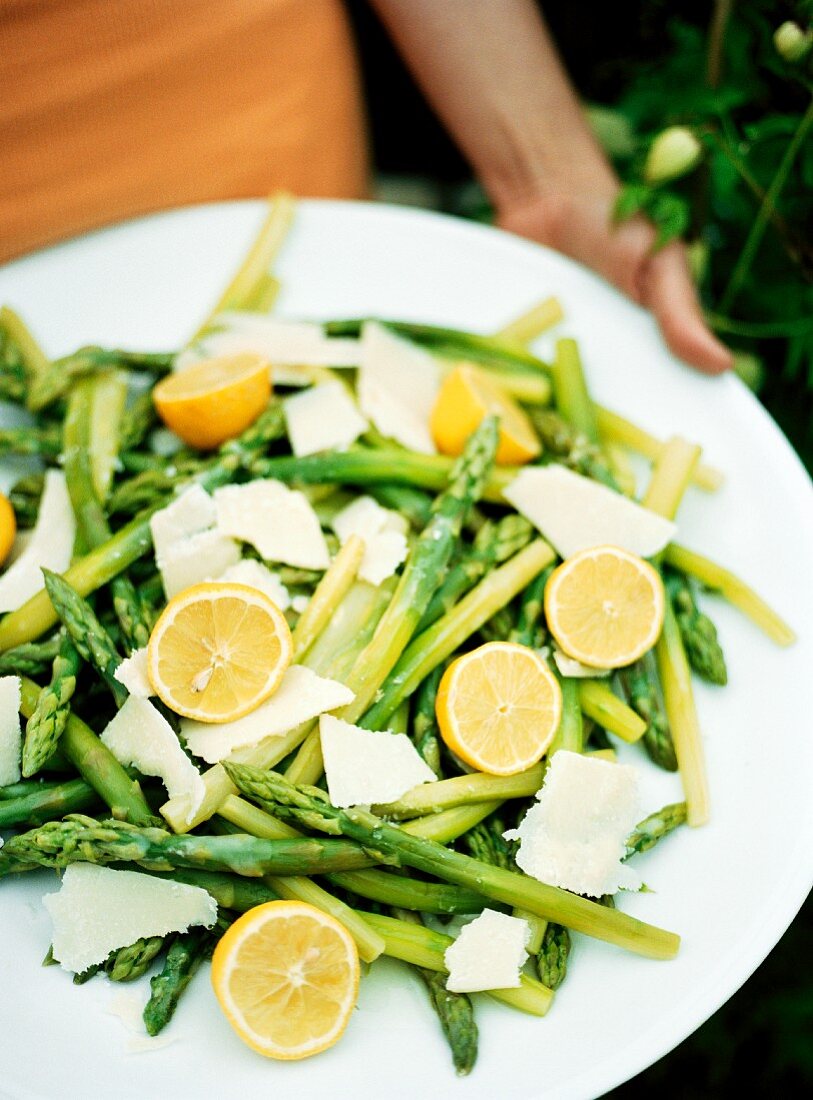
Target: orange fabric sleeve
110, 110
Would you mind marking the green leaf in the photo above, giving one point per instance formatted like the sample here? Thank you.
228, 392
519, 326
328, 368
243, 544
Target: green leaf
633, 198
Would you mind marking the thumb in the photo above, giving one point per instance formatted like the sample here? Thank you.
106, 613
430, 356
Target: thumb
668, 291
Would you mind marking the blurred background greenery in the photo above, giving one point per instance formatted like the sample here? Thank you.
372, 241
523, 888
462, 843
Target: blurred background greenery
743, 197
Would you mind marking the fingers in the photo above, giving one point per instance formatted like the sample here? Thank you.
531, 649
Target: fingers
668, 291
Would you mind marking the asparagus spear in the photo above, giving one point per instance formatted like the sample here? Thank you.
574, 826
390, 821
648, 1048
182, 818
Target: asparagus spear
45, 442
44, 728
183, 958
571, 447
640, 682
454, 1010
307, 807
551, 962
25, 495
494, 544
410, 503
648, 832
152, 488
16, 332
131, 962
529, 629
388, 888
46, 802
138, 420
55, 382
425, 734
84, 839
462, 790
696, 629
426, 564
570, 390
434, 645
90, 638
485, 842
95, 763
31, 658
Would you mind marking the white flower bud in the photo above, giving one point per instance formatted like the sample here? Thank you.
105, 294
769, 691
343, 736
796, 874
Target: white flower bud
791, 42
673, 153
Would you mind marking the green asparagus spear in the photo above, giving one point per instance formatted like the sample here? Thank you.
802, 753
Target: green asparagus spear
494, 544
44, 728
571, 447
46, 802
641, 687
388, 888
425, 734
551, 962
25, 495
45, 442
183, 958
84, 839
486, 843
131, 962
649, 831
31, 658
15, 332
412, 504
529, 629
307, 806
86, 632
153, 487
95, 763
137, 422
62, 373
696, 629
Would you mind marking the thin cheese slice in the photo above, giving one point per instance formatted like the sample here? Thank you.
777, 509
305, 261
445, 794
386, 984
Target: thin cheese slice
489, 953
98, 910
363, 766
397, 387
301, 696
132, 672
575, 835
322, 418
50, 546
279, 522
383, 532
196, 559
575, 513
139, 736
11, 738
253, 574
191, 512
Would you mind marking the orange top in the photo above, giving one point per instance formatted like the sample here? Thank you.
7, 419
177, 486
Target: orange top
113, 109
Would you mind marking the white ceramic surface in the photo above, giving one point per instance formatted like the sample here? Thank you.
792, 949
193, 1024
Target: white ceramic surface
729, 889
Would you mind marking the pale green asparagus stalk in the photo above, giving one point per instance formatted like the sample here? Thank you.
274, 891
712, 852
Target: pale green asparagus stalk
44, 728
648, 832
308, 807
599, 702
463, 790
698, 632
528, 326
34, 359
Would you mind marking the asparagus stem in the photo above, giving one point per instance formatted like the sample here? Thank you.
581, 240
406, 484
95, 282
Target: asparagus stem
30, 659
34, 359
273, 792
570, 390
133, 961
735, 590
107, 409
412, 504
79, 838
437, 643
671, 475
675, 677
413, 943
95, 763
616, 429
90, 638
463, 790
183, 958
604, 707
45, 442
381, 466
572, 447
250, 276
698, 632
448, 825
648, 832
46, 802
529, 629
328, 595
528, 326
570, 734
551, 959
643, 691
137, 421
494, 544
44, 728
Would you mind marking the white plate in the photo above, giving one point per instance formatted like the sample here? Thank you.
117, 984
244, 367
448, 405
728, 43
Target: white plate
729, 889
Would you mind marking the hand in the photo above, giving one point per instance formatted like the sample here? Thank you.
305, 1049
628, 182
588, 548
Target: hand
580, 226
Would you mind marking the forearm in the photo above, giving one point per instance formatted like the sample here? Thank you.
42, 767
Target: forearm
491, 72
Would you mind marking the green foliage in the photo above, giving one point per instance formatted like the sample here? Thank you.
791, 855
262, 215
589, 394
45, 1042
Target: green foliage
750, 202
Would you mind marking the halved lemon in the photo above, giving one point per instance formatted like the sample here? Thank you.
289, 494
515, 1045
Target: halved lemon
498, 708
286, 976
466, 397
605, 606
215, 400
218, 651
8, 527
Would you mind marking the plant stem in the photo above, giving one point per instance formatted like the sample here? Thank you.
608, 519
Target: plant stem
617, 429
599, 702
463, 790
525, 328
570, 390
